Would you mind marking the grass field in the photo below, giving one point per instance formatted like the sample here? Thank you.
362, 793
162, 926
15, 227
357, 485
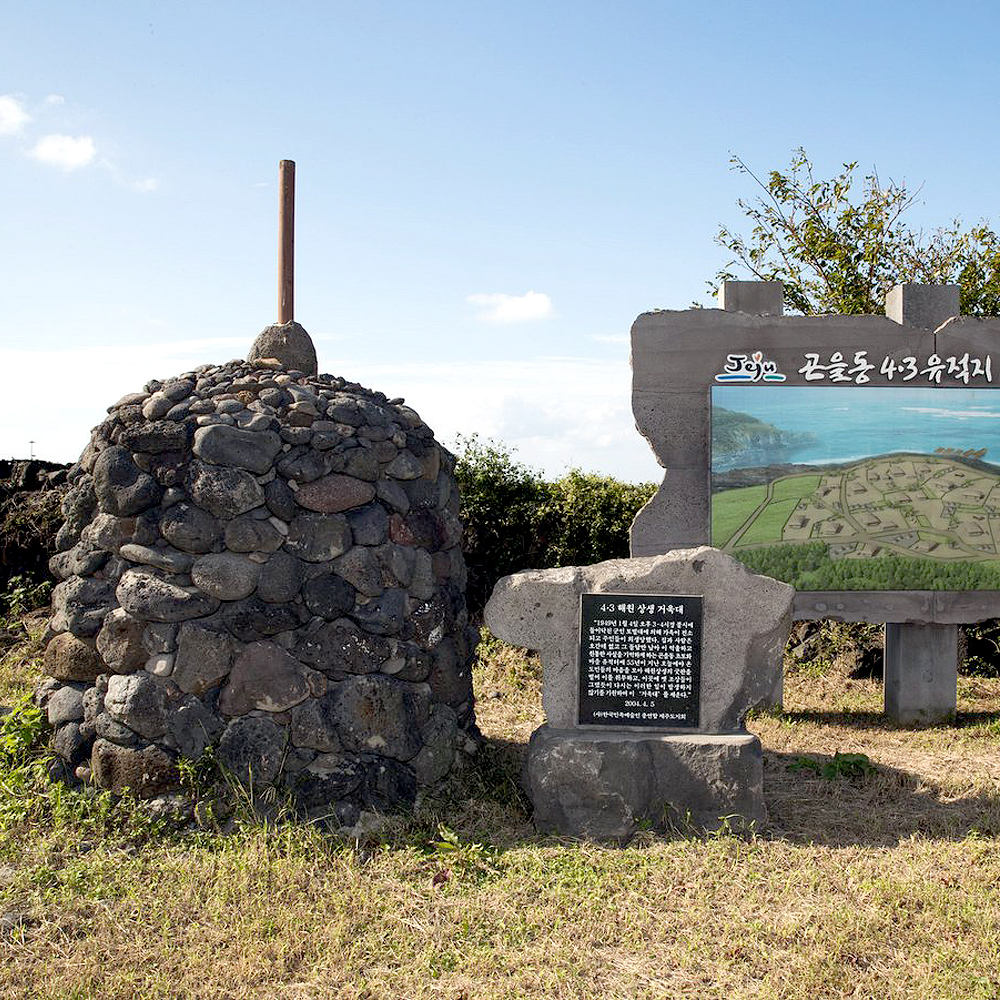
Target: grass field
795, 487
731, 508
884, 886
767, 527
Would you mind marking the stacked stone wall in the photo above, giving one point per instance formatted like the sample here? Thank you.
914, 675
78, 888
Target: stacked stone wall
267, 563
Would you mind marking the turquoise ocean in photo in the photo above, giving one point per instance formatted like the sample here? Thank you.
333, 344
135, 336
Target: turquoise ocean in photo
844, 423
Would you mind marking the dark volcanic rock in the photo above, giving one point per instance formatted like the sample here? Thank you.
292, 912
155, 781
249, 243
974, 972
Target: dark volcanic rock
266, 561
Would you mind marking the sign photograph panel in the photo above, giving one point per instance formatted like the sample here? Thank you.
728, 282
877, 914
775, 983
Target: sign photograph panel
845, 486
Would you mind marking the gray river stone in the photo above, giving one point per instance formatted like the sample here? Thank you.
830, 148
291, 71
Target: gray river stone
405, 465
109, 532
440, 736
171, 560
376, 714
120, 486
340, 648
334, 493
393, 494
313, 725
120, 642
155, 437
145, 772
78, 506
192, 727
139, 701
251, 534
264, 677
280, 578
328, 596
252, 749
288, 343
318, 537
251, 620
228, 576
281, 500
369, 525
69, 658
79, 605
203, 658
154, 600
83, 559
398, 563
65, 705
361, 569
159, 637
223, 491
245, 449
383, 615
190, 528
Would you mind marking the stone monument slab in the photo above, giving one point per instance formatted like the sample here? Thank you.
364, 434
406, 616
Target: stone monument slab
694, 640
747, 618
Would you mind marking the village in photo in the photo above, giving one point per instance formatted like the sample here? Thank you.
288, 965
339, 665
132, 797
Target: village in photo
859, 487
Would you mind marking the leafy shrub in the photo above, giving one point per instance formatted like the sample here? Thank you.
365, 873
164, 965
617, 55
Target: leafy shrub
23, 730
515, 520
29, 522
23, 595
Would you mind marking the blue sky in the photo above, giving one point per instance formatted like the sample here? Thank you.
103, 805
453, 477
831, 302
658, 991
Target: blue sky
451, 159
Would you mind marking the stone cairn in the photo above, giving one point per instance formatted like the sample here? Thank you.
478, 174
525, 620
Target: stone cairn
265, 562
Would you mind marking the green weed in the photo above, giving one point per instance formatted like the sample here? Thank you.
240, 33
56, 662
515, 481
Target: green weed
840, 765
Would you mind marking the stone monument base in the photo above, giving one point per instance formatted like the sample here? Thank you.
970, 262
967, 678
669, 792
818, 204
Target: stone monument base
608, 784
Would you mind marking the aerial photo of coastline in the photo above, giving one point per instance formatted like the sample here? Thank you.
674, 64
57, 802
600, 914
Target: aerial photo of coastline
859, 488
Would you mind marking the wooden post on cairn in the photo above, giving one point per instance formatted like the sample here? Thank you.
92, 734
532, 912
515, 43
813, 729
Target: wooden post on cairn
286, 344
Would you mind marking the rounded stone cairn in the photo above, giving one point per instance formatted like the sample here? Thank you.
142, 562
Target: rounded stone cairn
268, 563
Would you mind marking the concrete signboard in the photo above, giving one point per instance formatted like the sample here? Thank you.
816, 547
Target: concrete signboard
848, 455
851, 456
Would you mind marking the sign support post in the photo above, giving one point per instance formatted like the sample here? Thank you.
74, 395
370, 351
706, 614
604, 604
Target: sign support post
920, 661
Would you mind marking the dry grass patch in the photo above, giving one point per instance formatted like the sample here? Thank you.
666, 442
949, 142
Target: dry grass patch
882, 886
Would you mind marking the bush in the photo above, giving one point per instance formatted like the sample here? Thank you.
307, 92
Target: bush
516, 520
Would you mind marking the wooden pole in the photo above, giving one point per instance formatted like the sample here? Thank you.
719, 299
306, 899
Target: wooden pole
286, 242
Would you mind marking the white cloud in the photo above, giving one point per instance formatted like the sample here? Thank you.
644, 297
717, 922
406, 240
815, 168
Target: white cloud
146, 185
13, 117
86, 381
498, 307
555, 412
64, 151
54, 99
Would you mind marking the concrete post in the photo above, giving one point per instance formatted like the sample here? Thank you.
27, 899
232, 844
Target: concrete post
921, 674
923, 306
759, 298
921, 661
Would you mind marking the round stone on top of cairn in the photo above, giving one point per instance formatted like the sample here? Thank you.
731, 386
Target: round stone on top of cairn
285, 345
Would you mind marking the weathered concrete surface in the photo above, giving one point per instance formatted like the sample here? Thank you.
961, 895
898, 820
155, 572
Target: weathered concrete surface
923, 306
902, 606
762, 298
605, 785
921, 674
746, 622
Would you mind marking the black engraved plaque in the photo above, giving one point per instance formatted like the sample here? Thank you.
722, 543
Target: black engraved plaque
640, 660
